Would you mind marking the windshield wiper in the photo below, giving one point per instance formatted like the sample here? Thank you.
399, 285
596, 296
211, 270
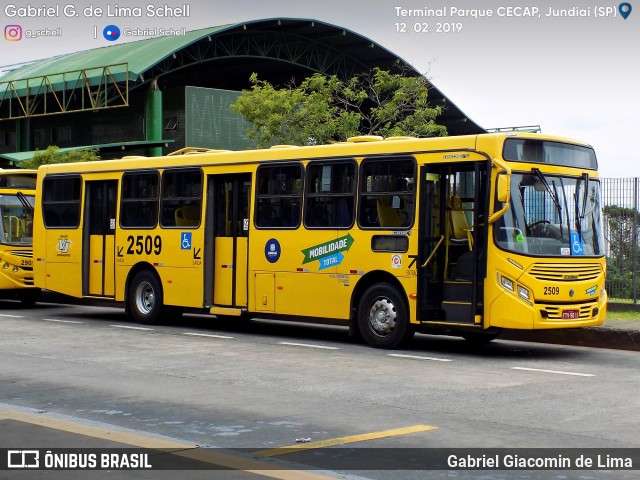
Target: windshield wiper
25, 202
580, 211
553, 194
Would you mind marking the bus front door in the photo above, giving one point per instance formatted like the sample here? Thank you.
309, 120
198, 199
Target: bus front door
99, 227
227, 254
453, 242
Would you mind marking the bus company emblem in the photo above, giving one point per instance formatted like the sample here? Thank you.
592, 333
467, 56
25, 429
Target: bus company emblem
571, 277
64, 244
272, 250
328, 254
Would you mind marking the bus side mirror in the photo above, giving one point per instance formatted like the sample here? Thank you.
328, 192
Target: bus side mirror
502, 195
503, 188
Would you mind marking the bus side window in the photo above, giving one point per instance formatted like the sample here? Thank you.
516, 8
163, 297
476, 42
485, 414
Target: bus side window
387, 193
139, 200
278, 196
330, 196
181, 200
61, 201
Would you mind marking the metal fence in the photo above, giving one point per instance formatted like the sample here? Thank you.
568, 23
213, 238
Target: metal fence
621, 232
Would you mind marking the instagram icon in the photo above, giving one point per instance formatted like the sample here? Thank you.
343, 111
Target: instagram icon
13, 33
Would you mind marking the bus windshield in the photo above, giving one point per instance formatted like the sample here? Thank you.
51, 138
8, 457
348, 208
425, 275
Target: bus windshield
17, 219
552, 215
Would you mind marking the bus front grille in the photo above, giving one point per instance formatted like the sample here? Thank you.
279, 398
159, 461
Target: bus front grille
22, 253
565, 272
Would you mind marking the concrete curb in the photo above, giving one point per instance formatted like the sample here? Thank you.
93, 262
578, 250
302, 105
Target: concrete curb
597, 337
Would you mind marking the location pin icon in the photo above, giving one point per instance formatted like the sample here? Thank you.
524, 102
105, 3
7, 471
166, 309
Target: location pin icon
624, 9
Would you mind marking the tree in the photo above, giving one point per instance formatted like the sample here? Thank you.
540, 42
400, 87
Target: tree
52, 155
622, 232
324, 109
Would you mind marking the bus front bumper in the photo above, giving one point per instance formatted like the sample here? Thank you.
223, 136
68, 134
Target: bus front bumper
508, 311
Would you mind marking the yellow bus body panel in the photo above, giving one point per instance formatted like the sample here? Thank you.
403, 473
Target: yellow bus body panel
297, 284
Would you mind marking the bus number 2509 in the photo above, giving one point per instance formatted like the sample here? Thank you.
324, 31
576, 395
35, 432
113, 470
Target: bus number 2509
144, 243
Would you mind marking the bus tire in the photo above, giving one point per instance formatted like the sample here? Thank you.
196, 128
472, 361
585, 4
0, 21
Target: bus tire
145, 298
383, 317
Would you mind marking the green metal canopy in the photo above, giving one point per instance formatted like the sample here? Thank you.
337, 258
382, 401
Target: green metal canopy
17, 157
278, 48
139, 56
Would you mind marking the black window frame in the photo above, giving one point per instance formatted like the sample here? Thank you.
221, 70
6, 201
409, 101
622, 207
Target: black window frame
312, 192
409, 194
271, 196
58, 205
180, 200
126, 204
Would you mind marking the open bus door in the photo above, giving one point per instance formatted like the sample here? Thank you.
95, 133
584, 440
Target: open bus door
453, 239
226, 248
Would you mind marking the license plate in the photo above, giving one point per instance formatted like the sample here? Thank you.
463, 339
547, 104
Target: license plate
570, 314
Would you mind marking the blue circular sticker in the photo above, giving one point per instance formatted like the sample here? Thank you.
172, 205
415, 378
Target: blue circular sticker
272, 250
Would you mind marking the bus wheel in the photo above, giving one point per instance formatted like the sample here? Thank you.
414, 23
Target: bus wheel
383, 317
145, 298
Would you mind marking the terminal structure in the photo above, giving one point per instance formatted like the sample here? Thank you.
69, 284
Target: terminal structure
154, 96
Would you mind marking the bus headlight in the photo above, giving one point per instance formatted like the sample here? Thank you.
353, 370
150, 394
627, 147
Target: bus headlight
15, 269
507, 283
524, 294
5, 265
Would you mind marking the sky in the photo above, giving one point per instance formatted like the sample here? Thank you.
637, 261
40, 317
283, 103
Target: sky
573, 68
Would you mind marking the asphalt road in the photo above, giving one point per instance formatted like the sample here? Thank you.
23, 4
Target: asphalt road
257, 386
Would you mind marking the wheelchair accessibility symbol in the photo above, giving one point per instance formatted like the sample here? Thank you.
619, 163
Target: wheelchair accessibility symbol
185, 241
576, 245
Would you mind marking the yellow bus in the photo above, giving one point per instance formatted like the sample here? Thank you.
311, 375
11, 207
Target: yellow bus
17, 193
464, 235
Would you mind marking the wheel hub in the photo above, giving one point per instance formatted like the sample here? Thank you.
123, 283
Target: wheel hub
382, 316
145, 297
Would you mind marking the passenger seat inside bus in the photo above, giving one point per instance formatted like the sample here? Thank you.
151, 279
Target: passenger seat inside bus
460, 230
388, 216
187, 216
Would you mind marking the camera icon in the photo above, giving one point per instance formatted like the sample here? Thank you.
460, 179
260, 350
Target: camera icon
13, 33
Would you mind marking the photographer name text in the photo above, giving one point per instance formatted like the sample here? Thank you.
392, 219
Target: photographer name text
92, 11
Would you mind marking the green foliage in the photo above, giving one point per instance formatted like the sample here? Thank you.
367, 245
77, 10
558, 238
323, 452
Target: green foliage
325, 109
622, 230
52, 155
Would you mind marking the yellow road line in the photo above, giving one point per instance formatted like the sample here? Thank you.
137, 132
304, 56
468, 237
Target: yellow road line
272, 452
130, 438
187, 450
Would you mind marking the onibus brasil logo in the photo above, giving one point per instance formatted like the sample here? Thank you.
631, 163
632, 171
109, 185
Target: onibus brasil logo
329, 254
